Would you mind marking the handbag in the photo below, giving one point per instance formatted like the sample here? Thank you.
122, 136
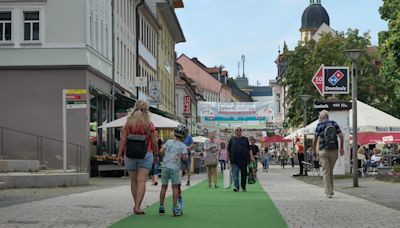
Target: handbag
227, 178
136, 145
211, 160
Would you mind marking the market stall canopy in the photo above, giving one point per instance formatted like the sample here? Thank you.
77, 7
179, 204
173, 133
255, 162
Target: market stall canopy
370, 119
276, 139
377, 137
199, 139
158, 121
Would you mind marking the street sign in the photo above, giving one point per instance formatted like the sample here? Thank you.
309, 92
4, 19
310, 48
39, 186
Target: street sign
336, 80
332, 105
187, 105
75, 98
71, 99
155, 92
318, 80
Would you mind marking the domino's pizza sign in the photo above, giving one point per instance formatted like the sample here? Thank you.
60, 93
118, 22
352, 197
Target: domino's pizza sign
336, 80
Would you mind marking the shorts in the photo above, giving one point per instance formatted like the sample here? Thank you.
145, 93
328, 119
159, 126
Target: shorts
133, 164
170, 174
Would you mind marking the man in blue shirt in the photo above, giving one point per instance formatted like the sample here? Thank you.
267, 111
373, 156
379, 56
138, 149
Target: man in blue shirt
187, 164
327, 156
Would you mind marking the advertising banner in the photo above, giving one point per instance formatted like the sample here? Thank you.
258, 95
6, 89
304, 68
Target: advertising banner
336, 80
187, 106
248, 115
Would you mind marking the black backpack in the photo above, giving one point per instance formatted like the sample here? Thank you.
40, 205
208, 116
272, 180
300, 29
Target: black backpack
330, 137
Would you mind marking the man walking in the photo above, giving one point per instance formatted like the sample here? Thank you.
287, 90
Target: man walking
327, 131
239, 155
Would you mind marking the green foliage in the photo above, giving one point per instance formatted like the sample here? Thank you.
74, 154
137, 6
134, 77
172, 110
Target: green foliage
305, 60
389, 46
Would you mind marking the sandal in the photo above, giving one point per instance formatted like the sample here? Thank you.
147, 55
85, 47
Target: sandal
140, 212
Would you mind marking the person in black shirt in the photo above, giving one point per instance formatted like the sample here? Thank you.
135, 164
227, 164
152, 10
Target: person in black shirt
254, 148
239, 156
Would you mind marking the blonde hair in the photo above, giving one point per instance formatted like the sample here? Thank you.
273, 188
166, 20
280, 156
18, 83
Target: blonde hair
139, 115
324, 115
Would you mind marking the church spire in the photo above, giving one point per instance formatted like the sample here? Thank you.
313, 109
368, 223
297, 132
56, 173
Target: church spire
315, 2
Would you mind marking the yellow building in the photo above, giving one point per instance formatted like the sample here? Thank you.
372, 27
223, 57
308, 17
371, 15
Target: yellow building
169, 35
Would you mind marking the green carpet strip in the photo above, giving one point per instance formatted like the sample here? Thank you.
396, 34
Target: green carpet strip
205, 207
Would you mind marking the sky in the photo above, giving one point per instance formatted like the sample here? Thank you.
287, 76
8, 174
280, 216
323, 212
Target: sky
218, 32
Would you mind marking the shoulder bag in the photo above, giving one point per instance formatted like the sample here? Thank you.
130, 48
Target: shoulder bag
136, 145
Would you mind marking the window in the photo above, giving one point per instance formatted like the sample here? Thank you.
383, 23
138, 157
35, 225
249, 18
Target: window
5, 26
31, 25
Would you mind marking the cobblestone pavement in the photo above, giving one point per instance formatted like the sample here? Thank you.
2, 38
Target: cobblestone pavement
84, 208
380, 192
10, 197
306, 205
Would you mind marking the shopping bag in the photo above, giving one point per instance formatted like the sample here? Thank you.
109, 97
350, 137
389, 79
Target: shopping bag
227, 178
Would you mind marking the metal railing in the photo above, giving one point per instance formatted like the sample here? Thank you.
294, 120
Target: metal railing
21, 145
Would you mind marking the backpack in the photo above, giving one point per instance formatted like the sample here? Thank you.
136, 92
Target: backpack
136, 145
330, 138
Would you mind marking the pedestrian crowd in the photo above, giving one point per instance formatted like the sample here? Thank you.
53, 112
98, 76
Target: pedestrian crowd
142, 153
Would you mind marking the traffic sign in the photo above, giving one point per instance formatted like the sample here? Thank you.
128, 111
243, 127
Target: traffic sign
74, 98
155, 92
318, 80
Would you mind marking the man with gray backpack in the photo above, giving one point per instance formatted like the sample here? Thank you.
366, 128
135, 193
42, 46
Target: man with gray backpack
327, 132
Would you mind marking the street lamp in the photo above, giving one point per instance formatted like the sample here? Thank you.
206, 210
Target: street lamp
353, 55
305, 98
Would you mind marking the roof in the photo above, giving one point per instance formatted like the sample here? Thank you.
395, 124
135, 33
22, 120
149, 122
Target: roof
258, 91
193, 70
172, 22
313, 17
213, 70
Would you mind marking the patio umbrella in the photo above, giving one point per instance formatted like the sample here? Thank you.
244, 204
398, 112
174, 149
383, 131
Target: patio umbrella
276, 138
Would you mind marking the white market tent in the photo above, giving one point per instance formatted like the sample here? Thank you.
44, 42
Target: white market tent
369, 119
158, 121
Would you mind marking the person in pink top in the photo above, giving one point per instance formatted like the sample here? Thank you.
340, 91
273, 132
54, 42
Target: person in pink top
223, 157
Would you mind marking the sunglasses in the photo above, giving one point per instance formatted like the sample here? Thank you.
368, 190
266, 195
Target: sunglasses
238, 129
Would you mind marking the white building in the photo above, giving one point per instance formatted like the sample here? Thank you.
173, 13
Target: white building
47, 46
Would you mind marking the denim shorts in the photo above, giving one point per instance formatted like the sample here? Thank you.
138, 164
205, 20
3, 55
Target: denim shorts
133, 164
167, 174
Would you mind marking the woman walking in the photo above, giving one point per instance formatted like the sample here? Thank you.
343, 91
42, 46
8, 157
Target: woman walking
138, 123
265, 157
212, 148
223, 157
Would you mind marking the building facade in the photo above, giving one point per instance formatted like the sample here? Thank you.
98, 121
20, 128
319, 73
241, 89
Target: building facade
53, 50
170, 34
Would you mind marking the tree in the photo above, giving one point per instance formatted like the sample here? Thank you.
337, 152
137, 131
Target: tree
306, 59
389, 46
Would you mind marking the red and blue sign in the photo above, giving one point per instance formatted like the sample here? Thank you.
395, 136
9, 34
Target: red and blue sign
332, 80
336, 80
